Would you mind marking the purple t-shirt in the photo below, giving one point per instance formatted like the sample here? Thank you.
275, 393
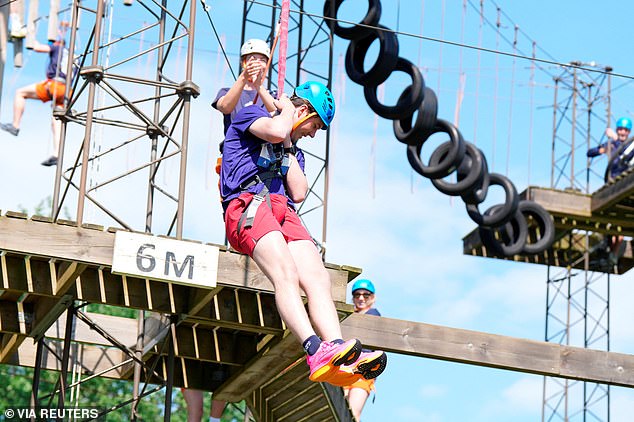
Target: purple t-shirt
240, 156
57, 62
245, 100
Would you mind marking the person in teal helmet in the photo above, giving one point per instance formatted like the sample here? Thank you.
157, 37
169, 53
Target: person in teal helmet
616, 165
261, 179
363, 298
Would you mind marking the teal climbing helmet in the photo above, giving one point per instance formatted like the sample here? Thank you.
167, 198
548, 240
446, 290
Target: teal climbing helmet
363, 284
320, 97
624, 122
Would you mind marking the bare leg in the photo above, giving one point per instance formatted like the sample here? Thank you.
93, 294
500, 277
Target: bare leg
356, 399
274, 258
217, 408
315, 281
19, 102
194, 400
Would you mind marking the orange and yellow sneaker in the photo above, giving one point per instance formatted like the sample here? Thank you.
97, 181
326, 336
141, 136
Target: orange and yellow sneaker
330, 356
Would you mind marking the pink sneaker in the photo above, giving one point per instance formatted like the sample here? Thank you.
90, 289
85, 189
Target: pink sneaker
329, 356
370, 364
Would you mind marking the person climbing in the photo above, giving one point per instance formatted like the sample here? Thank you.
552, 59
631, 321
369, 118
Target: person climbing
615, 140
363, 298
52, 88
261, 178
616, 166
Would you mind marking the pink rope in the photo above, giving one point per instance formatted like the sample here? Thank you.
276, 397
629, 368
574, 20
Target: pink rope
281, 61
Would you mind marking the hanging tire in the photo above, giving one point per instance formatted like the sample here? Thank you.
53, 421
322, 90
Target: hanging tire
469, 170
410, 134
386, 61
357, 31
511, 237
541, 220
508, 208
455, 154
479, 192
409, 100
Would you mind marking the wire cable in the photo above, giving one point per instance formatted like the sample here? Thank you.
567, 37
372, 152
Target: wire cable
567, 66
213, 27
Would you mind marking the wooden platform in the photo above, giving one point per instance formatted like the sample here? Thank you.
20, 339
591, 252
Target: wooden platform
608, 211
229, 339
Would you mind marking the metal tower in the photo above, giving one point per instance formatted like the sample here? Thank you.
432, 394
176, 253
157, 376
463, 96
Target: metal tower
577, 300
309, 56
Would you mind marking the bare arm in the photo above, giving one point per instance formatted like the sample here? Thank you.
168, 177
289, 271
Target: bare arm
296, 183
228, 102
41, 48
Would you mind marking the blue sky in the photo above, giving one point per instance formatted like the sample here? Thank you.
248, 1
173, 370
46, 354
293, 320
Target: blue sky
383, 217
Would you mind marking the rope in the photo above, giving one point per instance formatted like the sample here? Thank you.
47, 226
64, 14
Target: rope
508, 139
281, 60
530, 118
477, 104
495, 90
213, 27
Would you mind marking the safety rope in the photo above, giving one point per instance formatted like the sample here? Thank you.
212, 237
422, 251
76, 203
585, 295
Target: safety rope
477, 95
510, 128
281, 60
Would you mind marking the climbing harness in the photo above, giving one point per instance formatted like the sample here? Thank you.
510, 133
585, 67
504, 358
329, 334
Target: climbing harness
274, 160
504, 228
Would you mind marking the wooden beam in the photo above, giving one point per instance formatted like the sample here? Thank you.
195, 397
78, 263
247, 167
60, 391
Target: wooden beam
613, 193
92, 246
491, 350
269, 362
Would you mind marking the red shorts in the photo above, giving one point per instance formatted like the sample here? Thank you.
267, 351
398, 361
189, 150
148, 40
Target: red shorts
49, 89
281, 218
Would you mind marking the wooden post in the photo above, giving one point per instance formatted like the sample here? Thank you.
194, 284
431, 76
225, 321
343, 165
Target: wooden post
53, 24
31, 29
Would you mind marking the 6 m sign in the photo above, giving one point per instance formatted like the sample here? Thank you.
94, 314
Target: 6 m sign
148, 256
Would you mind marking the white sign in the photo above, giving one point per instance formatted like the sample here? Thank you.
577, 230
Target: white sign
147, 256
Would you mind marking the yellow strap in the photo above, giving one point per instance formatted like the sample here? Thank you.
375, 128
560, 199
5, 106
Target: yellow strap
302, 120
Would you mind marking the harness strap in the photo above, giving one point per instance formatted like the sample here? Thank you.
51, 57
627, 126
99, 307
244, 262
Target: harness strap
248, 215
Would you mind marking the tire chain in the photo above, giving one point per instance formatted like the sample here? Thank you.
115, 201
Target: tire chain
503, 228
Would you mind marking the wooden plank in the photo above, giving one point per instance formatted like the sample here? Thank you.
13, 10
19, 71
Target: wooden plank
337, 402
555, 201
613, 193
491, 350
269, 362
95, 247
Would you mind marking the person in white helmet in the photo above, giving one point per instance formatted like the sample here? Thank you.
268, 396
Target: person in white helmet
254, 55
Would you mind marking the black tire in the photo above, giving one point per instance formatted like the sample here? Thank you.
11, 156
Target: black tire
508, 208
511, 237
386, 61
479, 192
543, 221
443, 169
357, 31
409, 100
410, 134
469, 170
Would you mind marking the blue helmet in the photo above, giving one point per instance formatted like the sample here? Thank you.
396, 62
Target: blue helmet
320, 97
624, 122
363, 284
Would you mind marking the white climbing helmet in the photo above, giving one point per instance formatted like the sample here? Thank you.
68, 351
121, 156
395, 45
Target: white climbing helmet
255, 46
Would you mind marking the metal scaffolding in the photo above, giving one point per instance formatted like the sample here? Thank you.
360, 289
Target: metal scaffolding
578, 299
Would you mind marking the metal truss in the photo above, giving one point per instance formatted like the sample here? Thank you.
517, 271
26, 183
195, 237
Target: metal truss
310, 57
131, 130
578, 300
